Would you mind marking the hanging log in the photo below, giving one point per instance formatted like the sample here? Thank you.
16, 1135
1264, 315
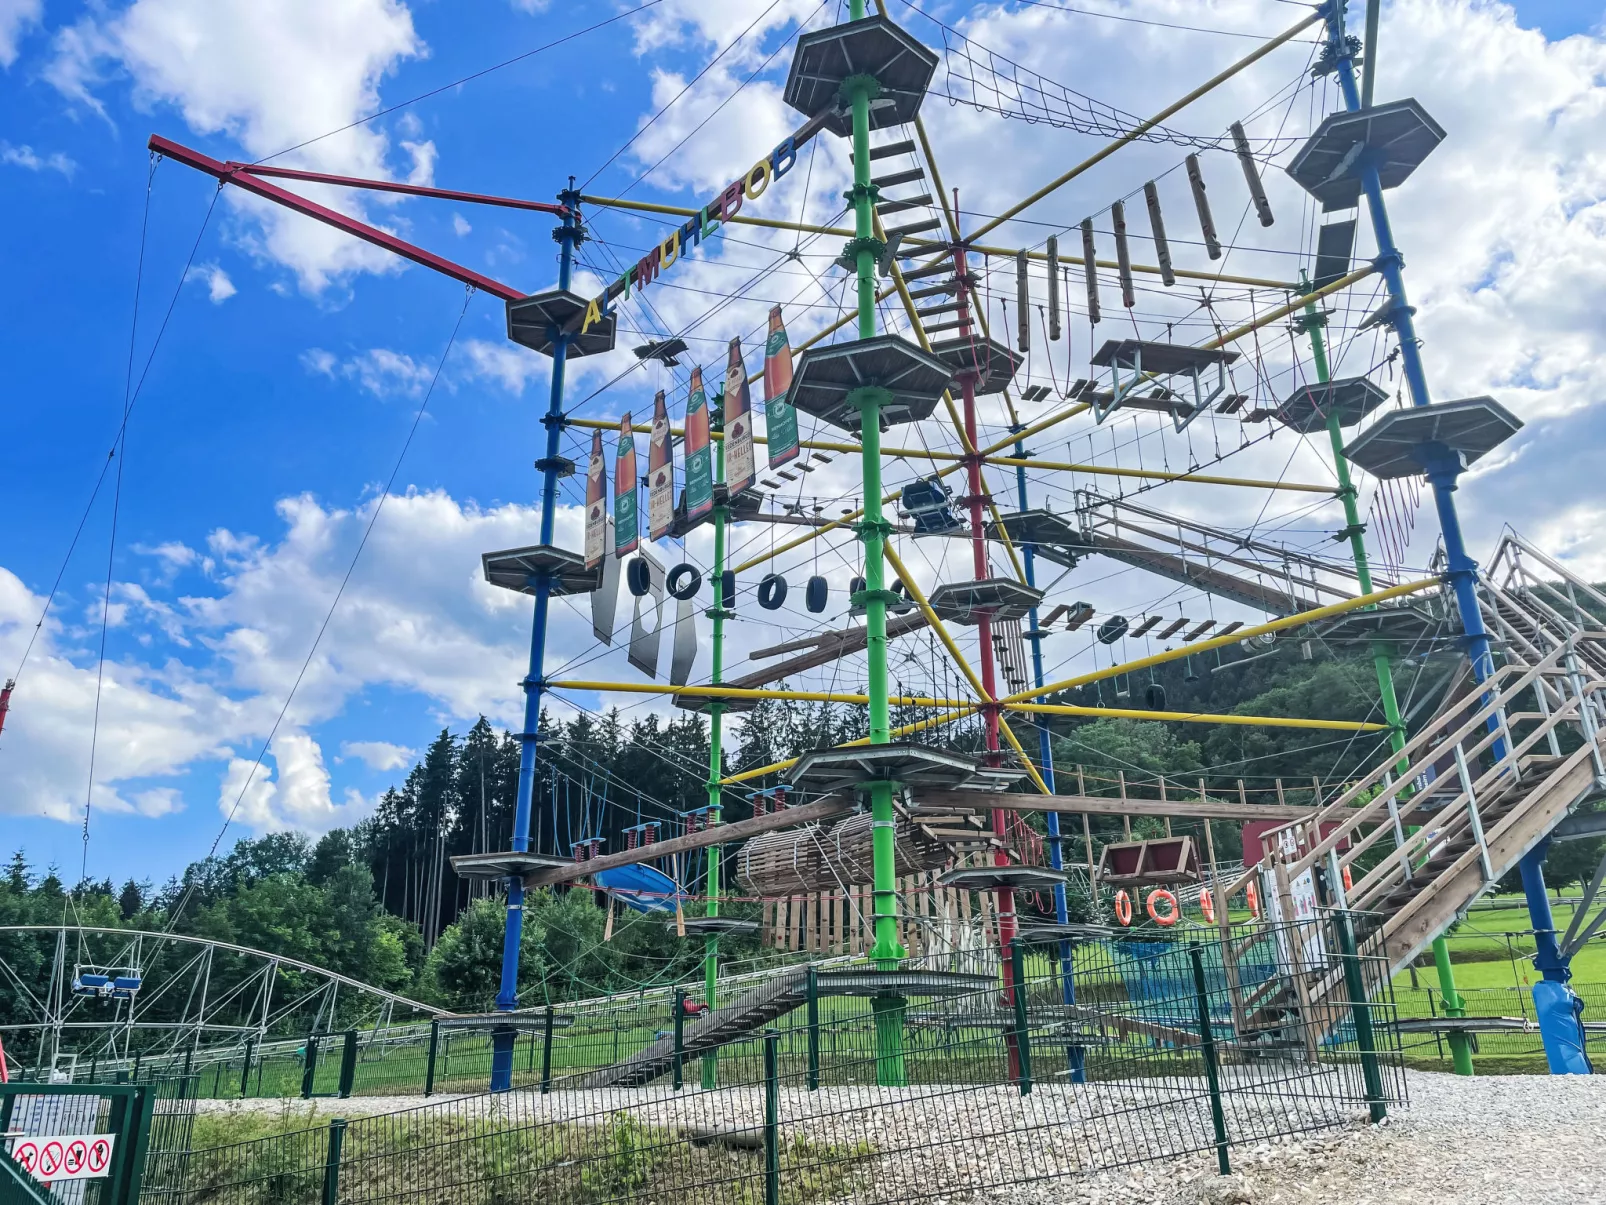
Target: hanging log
1053, 288
1123, 255
1090, 267
1207, 224
1162, 248
1251, 174
1023, 299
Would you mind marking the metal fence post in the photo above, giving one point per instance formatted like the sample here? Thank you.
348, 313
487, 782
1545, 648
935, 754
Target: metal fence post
245, 1068
1361, 1010
814, 1029
1207, 1046
348, 1064
429, 1065
331, 1163
680, 1037
772, 1117
546, 1052
309, 1067
1023, 1040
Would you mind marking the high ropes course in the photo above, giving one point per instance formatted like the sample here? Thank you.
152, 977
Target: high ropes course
944, 350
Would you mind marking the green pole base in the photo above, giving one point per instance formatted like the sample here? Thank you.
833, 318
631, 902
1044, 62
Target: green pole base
889, 1068
1454, 1006
710, 1063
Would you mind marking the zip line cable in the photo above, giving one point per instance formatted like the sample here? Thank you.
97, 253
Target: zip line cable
117, 437
518, 58
373, 518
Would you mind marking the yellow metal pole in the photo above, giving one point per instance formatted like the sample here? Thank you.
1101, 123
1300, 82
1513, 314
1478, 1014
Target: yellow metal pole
736, 692
1143, 127
1197, 717
1216, 642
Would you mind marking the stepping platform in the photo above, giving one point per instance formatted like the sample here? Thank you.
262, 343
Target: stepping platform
1036, 934
1396, 137
990, 363
1406, 626
835, 770
535, 321
873, 46
992, 878
826, 378
521, 569
715, 926
995, 599
1402, 444
871, 982
1040, 528
504, 865
695, 702
1161, 359
1350, 400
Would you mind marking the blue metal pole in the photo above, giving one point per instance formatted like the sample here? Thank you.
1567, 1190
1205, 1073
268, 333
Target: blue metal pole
1556, 1005
1045, 757
507, 996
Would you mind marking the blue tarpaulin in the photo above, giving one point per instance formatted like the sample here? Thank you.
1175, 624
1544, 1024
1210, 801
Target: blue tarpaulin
640, 887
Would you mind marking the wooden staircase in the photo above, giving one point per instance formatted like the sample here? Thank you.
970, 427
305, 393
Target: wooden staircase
749, 1011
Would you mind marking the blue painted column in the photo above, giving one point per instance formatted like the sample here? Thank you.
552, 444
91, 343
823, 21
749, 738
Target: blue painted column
1556, 1006
507, 996
1075, 1055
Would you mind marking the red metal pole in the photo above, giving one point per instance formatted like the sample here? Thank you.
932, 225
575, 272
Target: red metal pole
242, 178
411, 190
984, 633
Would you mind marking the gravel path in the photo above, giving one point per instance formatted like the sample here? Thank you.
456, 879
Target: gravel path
1533, 1140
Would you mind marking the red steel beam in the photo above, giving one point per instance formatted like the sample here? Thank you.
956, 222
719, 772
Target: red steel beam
242, 178
411, 190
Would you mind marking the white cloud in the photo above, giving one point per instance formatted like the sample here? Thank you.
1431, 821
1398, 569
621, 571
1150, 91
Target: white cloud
219, 288
264, 77
507, 364
378, 755
460, 225
16, 18
26, 157
379, 370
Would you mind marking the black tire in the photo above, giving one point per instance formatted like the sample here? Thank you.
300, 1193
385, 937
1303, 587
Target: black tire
772, 592
1112, 629
816, 594
684, 581
857, 586
1154, 697
639, 578
727, 589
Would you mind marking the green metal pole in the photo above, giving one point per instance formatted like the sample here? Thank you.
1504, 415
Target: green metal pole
1361, 1012
772, 1117
814, 1029
434, 1049
859, 91
1313, 322
680, 1038
546, 1051
716, 726
1023, 1044
1207, 1048
331, 1165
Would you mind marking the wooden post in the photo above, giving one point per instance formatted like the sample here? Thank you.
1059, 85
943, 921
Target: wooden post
1243, 797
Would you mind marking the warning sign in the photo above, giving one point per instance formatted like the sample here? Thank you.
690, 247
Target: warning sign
64, 1157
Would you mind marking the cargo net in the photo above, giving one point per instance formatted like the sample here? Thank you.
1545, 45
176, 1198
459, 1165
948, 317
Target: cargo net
985, 80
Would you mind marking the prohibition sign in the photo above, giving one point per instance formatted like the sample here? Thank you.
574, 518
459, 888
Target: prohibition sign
100, 1154
51, 1159
27, 1155
77, 1156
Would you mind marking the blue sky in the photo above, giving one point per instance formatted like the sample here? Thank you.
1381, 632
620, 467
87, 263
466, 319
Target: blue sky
294, 360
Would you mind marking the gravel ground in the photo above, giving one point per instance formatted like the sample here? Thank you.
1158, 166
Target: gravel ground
1536, 1140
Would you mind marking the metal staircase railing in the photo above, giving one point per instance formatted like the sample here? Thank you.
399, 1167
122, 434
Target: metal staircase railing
1479, 787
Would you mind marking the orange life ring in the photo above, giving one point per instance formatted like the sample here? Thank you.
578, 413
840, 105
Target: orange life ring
1123, 907
1170, 918
1349, 884
1254, 900
1207, 906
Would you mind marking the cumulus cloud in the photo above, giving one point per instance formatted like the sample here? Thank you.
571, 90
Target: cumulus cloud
219, 288
27, 158
379, 370
378, 755
264, 78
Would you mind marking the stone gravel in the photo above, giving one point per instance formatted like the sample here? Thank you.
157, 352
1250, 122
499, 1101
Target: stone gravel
1533, 1140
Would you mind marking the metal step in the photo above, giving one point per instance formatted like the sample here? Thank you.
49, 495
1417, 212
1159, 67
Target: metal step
945, 290
942, 267
951, 308
899, 204
913, 228
905, 147
903, 177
